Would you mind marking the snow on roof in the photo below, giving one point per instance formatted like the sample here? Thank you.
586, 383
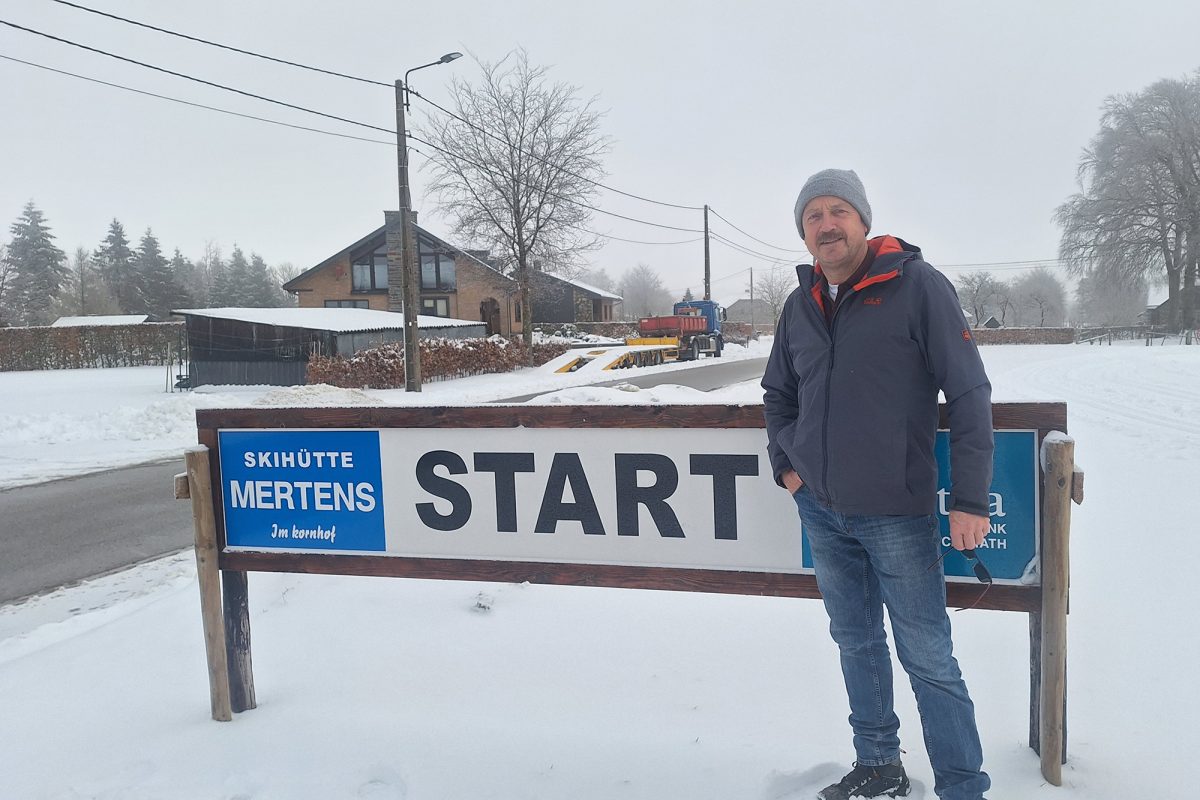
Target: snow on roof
338, 320
590, 288
113, 319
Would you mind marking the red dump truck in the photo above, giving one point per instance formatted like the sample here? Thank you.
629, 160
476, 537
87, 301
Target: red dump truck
692, 331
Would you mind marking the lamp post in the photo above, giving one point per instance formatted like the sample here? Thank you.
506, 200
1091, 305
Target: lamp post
408, 245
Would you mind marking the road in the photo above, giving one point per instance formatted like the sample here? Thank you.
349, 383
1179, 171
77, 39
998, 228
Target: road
64, 531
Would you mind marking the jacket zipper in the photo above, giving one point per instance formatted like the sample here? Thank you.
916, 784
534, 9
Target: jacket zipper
828, 396
829, 371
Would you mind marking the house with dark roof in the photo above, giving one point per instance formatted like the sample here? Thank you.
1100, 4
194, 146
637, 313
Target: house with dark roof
454, 283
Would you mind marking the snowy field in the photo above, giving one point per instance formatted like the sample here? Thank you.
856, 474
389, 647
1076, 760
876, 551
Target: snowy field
382, 688
60, 423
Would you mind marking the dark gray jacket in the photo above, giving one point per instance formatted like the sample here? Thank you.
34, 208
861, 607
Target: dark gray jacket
853, 408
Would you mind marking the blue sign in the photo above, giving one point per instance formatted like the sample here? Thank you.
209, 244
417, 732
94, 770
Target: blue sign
1010, 550
313, 490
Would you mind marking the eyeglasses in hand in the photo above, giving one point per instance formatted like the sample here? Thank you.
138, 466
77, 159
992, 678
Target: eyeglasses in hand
978, 567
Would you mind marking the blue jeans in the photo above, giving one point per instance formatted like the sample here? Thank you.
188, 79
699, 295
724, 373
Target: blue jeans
864, 563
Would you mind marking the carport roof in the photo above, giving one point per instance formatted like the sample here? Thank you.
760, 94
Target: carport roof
336, 320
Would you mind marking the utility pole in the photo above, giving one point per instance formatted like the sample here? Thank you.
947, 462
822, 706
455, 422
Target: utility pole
707, 268
408, 283
408, 242
752, 320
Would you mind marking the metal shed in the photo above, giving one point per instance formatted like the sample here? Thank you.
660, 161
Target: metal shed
271, 346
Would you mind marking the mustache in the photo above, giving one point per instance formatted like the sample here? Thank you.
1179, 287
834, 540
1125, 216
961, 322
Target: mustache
828, 238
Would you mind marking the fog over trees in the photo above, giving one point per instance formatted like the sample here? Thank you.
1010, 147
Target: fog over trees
773, 286
38, 283
643, 293
1136, 216
1037, 298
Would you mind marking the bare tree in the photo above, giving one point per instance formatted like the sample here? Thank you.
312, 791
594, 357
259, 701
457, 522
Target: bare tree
1100, 301
516, 169
979, 292
7, 272
1005, 302
773, 288
599, 278
643, 293
1137, 214
1040, 298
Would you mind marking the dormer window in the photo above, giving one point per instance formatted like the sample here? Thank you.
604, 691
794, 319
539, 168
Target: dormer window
369, 272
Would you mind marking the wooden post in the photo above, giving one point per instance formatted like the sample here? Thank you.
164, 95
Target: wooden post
237, 640
1058, 465
200, 491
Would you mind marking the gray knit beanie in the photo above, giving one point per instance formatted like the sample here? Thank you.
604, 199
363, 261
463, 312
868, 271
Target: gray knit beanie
843, 183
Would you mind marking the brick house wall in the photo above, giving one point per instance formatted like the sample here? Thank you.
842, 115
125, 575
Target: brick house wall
334, 283
476, 285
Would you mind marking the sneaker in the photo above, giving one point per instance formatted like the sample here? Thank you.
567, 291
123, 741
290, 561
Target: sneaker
887, 780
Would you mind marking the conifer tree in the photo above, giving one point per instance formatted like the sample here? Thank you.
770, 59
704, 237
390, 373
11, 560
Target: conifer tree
182, 272
263, 291
220, 284
240, 288
39, 268
115, 261
161, 291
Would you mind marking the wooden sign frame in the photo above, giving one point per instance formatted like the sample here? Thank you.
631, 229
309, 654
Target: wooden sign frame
232, 621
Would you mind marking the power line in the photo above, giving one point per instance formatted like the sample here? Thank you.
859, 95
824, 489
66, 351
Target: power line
218, 44
346, 136
536, 157
197, 105
1035, 262
192, 78
559, 196
349, 121
242, 51
348, 77
755, 238
747, 251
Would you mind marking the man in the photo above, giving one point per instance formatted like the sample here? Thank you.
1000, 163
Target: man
851, 400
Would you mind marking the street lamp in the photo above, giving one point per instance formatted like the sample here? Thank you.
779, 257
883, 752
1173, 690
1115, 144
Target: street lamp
408, 246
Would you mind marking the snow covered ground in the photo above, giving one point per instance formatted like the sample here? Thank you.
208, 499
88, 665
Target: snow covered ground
382, 688
60, 423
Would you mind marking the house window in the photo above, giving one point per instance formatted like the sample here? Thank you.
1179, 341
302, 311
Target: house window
435, 306
369, 272
437, 271
346, 304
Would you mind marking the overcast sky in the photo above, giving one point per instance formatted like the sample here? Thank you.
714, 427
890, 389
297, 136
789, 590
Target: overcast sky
965, 120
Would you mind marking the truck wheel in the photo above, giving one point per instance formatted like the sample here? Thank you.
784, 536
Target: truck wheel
694, 351
719, 346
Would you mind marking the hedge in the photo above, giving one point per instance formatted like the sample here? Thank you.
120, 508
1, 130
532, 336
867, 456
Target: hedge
89, 346
441, 359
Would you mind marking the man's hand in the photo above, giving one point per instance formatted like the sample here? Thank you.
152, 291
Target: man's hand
791, 481
967, 531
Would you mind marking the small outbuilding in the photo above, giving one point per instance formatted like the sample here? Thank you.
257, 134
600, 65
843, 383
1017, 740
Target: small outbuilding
272, 346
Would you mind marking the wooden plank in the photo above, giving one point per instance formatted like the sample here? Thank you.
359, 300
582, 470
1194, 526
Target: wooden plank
182, 490
1005, 416
210, 582
1077, 486
1058, 459
999, 597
